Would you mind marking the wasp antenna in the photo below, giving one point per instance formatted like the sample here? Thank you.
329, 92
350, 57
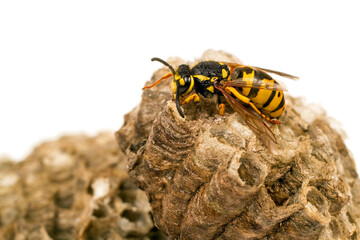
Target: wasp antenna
165, 63
177, 100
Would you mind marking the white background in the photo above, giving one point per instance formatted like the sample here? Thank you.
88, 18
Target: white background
79, 66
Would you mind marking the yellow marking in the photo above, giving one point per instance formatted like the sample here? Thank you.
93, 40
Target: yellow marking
213, 79
173, 88
275, 102
210, 89
182, 82
249, 79
202, 77
221, 109
177, 77
193, 97
224, 73
249, 76
263, 94
191, 86
278, 112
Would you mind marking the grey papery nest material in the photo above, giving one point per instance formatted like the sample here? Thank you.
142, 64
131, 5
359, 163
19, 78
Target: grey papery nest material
208, 177
75, 187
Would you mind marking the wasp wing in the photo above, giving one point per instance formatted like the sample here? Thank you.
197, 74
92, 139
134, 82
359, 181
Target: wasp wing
261, 130
285, 75
255, 84
232, 66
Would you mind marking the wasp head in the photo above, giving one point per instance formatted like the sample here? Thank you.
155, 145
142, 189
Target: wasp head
182, 84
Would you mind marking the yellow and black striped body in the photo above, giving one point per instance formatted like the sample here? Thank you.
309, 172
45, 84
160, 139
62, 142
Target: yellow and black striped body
251, 86
269, 102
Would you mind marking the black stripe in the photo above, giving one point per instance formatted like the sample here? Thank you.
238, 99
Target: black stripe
281, 104
237, 73
254, 91
262, 75
269, 99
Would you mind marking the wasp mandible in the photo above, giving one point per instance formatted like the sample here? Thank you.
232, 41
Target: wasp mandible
239, 84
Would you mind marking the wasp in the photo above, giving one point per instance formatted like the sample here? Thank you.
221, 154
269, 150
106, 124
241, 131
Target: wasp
240, 85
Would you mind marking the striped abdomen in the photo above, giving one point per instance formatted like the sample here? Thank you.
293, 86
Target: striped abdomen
269, 102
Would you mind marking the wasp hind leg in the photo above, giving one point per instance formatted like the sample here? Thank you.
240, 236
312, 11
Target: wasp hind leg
192, 97
221, 105
221, 109
247, 101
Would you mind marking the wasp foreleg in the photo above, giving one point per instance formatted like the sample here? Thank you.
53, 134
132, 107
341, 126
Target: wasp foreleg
247, 101
193, 97
163, 78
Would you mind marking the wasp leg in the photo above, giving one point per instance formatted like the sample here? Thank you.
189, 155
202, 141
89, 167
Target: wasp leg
247, 101
221, 106
193, 97
221, 109
165, 77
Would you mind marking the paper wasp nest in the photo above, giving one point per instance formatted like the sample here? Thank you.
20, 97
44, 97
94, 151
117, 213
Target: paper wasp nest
75, 187
208, 176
